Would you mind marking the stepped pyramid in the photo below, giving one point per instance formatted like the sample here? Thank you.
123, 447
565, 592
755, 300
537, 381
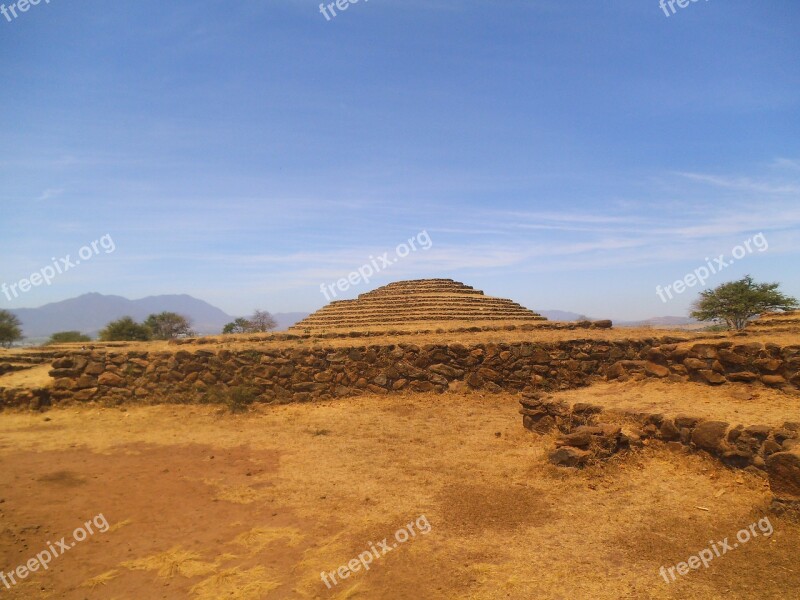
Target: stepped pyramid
418, 303
776, 321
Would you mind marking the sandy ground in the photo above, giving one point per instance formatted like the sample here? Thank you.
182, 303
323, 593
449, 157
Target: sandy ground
29, 378
208, 505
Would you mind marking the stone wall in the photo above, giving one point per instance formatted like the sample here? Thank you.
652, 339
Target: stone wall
586, 438
304, 374
23, 397
768, 364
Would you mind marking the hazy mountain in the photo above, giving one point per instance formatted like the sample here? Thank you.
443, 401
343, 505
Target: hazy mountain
91, 312
560, 315
660, 322
286, 320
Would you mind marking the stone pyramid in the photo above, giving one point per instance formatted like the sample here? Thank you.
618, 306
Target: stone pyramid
776, 321
417, 304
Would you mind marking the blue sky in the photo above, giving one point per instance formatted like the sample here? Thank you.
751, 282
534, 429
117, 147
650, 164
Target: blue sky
569, 155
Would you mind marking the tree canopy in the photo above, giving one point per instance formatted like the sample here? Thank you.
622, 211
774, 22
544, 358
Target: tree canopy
736, 302
258, 322
65, 337
261, 321
10, 329
169, 325
125, 330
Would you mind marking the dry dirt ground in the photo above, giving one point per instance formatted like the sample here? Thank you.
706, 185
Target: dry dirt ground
205, 505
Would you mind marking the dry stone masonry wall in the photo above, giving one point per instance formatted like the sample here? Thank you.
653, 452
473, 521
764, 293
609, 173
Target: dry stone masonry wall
306, 374
585, 438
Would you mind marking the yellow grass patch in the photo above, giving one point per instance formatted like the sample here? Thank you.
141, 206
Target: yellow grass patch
120, 525
101, 579
235, 584
259, 538
173, 562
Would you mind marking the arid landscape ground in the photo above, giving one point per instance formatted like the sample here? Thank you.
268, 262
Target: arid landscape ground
203, 503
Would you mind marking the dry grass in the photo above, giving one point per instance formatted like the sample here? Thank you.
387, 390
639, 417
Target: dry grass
235, 584
174, 562
505, 523
737, 403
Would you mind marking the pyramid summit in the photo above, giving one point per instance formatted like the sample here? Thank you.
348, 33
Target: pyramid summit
417, 302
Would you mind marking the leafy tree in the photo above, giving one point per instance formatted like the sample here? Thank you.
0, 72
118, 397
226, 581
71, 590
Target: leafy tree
10, 329
240, 325
125, 329
736, 302
65, 337
261, 321
169, 325
258, 322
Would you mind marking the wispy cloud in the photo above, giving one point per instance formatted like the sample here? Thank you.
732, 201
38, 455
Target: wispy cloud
49, 194
786, 163
743, 184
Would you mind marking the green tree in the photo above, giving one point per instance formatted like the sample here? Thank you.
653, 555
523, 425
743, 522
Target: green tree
10, 329
125, 330
239, 325
736, 302
169, 325
66, 337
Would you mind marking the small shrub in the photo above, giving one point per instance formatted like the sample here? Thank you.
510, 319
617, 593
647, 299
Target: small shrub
237, 399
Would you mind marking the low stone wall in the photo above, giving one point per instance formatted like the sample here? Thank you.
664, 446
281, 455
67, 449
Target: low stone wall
33, 399
586, 438
769, 364
304, 374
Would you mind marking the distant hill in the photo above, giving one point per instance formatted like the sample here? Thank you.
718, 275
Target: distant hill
89, 313
665, 322
661, 322
560, 315
286, 320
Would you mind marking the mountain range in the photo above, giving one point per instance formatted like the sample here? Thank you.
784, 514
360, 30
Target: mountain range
89, 313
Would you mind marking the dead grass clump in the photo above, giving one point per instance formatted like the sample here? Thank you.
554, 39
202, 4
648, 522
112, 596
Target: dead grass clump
259, 538
237, 399
236, 584
101, 579
173, 562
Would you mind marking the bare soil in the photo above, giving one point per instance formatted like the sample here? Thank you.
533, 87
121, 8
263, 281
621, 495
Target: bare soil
207, 505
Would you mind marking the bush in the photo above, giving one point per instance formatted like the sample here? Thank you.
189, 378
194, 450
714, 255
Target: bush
125, 330
66, 337
237, 399
169, 326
